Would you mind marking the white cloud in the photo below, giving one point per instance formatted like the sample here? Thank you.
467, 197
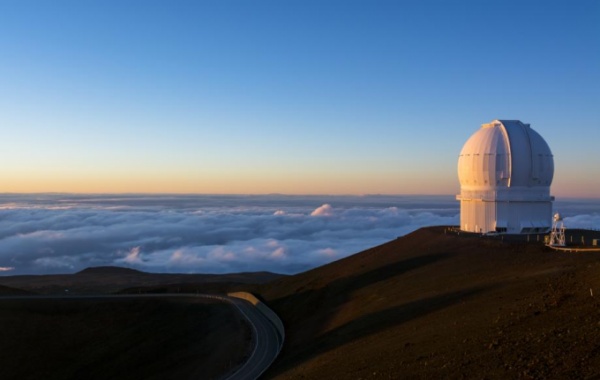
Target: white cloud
203, 234
222, 254
585, 221
182, 257
133, 256
324, 210
328, 252
47, 235
61, 263
6, 269
278, 253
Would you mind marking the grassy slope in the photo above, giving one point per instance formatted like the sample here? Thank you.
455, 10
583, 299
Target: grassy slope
437, 306
119, 339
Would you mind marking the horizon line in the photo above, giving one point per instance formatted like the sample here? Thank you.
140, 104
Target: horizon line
255, 194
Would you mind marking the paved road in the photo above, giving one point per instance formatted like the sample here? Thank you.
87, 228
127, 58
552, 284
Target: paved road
266, 339
266, 342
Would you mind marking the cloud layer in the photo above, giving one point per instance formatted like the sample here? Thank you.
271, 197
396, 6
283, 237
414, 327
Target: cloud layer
214, 234
202, 234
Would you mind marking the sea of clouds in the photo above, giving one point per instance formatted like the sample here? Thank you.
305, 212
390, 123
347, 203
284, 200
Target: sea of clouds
56, 233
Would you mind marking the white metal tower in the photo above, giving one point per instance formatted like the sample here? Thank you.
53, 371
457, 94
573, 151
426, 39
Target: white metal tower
557, 237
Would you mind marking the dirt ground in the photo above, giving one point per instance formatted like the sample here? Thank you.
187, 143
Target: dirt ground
181, 338
438, 305
107, 280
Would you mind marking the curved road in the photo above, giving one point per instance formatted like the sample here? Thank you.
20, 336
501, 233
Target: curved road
266, 342
266, 339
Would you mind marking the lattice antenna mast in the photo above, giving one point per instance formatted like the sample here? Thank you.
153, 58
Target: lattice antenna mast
557, 237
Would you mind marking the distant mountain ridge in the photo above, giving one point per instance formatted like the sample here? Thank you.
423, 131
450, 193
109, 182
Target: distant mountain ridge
112, 279
110, 270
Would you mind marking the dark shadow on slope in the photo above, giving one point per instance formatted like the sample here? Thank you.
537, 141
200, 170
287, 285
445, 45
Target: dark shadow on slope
347, 284
386, 272
372, 324
10, 291
309, 311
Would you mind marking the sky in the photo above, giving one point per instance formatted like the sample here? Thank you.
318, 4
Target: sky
66, 233
292, 97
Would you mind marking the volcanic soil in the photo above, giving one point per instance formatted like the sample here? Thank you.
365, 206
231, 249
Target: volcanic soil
120, 338
86, 337
435, 304
106, 280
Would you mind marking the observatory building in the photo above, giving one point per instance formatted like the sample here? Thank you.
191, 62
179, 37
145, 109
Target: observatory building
505, 170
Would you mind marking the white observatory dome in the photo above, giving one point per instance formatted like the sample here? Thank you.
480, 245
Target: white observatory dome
505, 153
505, 171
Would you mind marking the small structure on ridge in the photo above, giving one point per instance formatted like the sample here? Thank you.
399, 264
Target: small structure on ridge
557, 237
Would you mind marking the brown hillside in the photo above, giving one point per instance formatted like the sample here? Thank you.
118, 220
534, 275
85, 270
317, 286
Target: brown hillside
8, 291
103, 280
124, 338
437, 305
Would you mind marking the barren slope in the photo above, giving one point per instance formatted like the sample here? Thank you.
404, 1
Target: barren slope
8, 291
439, 305
104, 280
99, 338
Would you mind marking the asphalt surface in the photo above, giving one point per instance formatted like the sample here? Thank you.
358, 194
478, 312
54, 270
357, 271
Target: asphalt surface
266, 342
266, 339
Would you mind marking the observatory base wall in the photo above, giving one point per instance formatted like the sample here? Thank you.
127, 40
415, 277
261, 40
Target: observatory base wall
477, 216
481, 216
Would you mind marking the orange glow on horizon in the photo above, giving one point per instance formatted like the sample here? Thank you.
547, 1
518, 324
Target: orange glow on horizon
298, 182
240, 183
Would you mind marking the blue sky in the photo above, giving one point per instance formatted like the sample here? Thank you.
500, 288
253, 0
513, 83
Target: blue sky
313, 97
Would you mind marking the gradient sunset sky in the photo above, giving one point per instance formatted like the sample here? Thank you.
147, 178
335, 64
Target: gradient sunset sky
296, 97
